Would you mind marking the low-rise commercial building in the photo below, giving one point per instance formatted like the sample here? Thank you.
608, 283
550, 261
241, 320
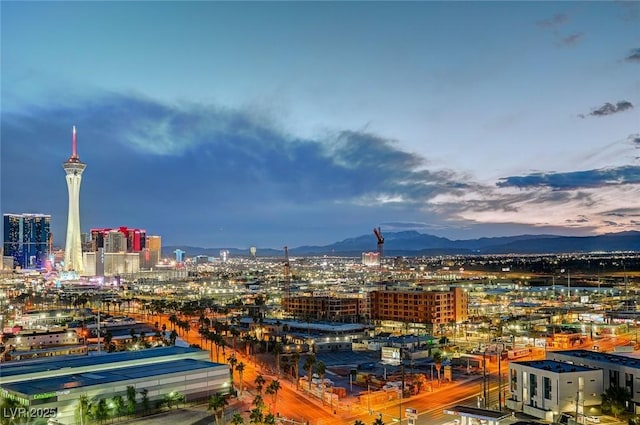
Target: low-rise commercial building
157, 372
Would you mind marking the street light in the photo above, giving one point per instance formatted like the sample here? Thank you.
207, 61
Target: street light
500, 377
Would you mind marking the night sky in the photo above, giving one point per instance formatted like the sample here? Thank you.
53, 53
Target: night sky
232, 124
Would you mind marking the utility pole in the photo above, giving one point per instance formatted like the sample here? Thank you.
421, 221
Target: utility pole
500, 378
402, 386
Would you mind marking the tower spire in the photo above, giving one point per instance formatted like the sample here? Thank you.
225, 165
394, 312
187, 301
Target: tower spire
74, 145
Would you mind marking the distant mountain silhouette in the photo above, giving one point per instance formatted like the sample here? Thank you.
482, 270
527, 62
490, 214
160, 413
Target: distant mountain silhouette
412, 243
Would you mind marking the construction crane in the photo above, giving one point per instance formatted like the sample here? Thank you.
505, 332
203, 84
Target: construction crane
287, 273
380, 242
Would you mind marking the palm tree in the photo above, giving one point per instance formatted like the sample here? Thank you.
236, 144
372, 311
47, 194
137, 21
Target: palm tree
321, 369
173, 320
82, 410
247, 343
240, 369
277, 350
173, 336
233, 361
378, 421
108, 337
237, 419
437, 360
145, 400
273, 389
255, 417
234, 335
258, 402
269, 419
295, 364
309, 364
259, 381
118, 405
100, 411
217, 402
131, 400
615, 400
358, 422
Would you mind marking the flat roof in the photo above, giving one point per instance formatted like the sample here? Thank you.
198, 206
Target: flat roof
598, 356
474, 412
66, 382
68, 362
555, 366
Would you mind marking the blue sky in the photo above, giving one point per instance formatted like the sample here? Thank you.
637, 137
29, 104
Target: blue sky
232, 124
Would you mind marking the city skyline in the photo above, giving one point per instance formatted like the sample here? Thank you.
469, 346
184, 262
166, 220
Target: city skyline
271, 124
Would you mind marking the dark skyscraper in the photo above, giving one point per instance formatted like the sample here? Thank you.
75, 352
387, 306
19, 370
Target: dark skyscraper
26, 238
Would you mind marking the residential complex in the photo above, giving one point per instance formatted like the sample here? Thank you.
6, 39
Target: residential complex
419, 306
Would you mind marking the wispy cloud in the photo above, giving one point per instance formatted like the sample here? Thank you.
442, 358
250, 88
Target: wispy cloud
623, 212
576, 179
572, 39
247, 174
579, 220
633, 56
557, 25
609, 109
554, 21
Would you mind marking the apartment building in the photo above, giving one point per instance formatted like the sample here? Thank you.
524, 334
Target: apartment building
417, 306
617, 370
546, 388
326, 308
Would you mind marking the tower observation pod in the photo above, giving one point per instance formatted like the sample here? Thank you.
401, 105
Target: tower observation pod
73, 247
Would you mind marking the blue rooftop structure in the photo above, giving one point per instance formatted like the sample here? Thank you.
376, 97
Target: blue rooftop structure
554, 366
76, 380
61, 363
596, 356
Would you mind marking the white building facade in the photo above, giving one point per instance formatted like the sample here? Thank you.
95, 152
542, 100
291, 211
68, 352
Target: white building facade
545, 389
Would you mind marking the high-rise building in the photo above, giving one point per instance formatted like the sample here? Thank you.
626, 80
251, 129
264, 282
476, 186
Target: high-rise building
73, 247
136, 239
179, 255
151, 255
26, 239
371, 259
115, 241
154, 243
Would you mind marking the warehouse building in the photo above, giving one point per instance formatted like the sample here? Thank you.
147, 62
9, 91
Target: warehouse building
106, 376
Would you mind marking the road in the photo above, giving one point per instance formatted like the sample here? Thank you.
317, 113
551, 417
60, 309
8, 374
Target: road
294, 405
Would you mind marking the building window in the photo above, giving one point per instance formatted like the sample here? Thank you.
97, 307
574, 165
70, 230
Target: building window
547, 387
614, 378
533, 385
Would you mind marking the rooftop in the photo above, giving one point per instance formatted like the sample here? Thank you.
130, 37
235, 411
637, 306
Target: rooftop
67, 362
555, 366
602, 357
65, 382
473, 412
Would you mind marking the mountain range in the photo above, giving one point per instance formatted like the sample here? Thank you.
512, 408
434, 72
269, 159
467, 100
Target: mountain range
412, 243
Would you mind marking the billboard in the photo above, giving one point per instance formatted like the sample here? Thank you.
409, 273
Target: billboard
391, 355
